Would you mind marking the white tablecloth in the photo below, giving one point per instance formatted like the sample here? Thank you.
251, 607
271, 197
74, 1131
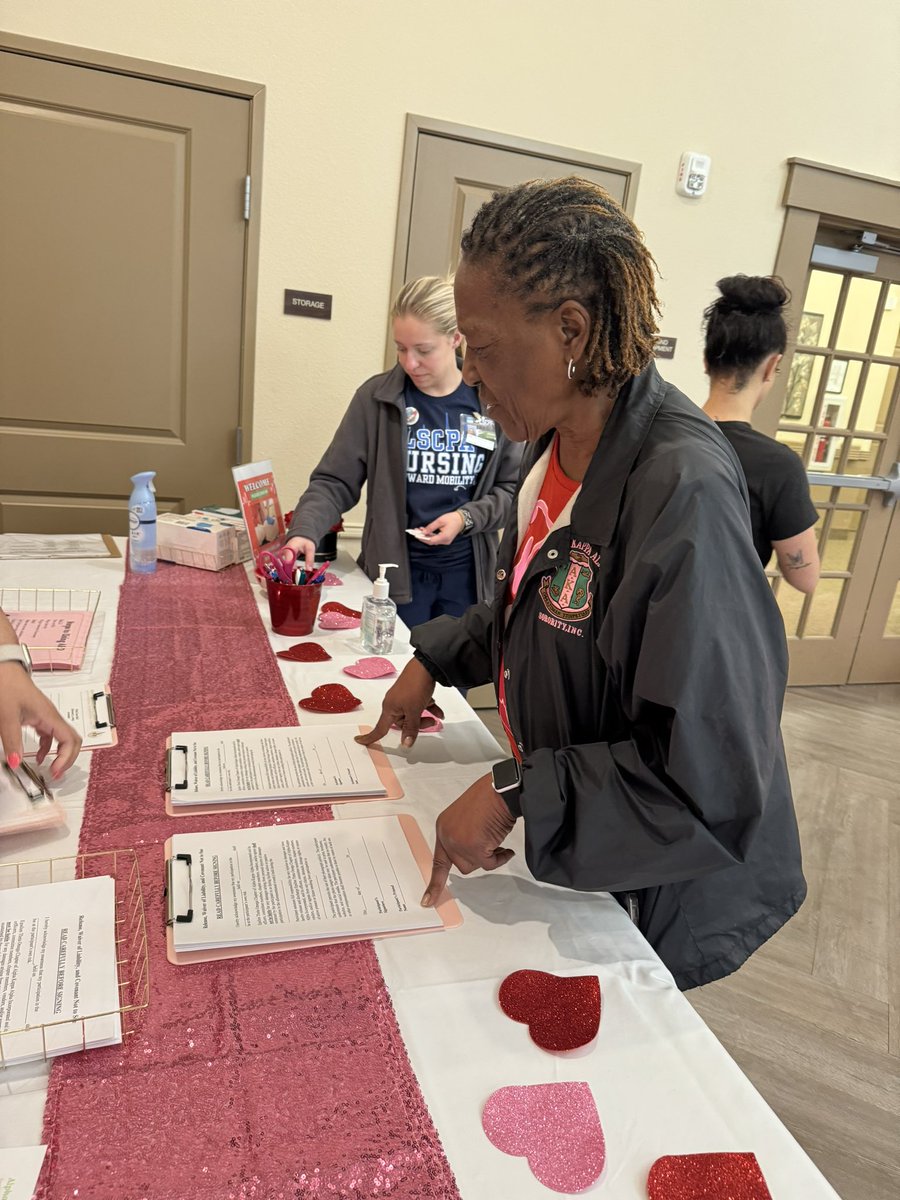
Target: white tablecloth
661, 1081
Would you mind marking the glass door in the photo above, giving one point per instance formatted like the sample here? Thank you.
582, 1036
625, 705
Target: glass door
841, 414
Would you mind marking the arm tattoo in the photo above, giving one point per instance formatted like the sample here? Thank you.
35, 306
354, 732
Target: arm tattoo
795, 562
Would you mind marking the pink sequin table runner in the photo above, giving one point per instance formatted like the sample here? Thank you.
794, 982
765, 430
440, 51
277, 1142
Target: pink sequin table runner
275, 1077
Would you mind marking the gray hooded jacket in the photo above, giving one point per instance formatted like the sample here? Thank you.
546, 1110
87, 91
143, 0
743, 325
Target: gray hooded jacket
370, 448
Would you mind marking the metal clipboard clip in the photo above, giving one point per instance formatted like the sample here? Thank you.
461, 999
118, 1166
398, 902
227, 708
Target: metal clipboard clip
110, 722
173, 918
27, 778
170, 758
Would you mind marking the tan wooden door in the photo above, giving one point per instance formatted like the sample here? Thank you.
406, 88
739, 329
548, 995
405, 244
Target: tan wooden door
122, 242
455, 175
877, 657
841, 414
449, 172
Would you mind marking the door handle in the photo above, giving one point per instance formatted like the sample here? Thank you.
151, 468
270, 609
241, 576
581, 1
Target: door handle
888, 484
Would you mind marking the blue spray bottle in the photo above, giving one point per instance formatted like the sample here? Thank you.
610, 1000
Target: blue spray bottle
142, 523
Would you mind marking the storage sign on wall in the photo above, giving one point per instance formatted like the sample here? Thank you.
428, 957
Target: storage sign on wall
307, 304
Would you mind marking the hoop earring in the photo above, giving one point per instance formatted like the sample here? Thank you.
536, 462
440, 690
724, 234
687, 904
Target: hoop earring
570, 369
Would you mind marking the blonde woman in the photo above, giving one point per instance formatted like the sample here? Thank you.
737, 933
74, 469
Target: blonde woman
430, 462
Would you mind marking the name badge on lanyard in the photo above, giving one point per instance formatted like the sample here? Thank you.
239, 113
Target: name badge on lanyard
478, 430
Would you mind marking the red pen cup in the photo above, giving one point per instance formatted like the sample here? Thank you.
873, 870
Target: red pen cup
293, 607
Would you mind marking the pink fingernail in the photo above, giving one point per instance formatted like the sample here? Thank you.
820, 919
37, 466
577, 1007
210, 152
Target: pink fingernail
14, 760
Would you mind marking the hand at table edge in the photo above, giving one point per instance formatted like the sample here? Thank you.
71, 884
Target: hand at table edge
22, 703
468, 836
403, 705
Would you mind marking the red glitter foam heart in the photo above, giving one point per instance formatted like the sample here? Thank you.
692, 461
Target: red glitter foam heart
330, 698
371, 668
707, 1177
335, 606
555, 1126
305, 652
561, 1013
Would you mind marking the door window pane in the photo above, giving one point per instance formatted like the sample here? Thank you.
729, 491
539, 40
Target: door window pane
841, 381
853, 496
794, 441
863, 457
859, 315
840, 545
821, 616
826, 453
803, 383
817, 319
820, 495
892, 626
887, 343
790, 601
878, 396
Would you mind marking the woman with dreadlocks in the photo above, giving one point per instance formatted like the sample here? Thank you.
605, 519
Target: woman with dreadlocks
637, 649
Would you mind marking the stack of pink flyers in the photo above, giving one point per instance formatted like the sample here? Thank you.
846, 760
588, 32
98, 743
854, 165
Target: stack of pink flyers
56, 640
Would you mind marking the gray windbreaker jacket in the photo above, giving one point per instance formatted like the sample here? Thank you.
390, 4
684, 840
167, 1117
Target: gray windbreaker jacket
645, 662
370, 447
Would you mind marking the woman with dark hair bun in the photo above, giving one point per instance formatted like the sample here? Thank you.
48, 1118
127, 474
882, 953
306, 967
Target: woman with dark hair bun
745, 340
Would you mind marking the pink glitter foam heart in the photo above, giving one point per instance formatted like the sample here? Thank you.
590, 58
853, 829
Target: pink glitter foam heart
429, 723
305, 652
336, 620
555, 1126
371, 668
561, 1013
332, 580
330, 698
335, 606
707, 1177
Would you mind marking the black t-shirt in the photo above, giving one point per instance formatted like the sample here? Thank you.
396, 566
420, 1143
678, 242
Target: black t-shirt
780, 504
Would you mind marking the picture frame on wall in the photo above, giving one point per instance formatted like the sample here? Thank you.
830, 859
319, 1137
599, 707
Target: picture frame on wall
809, 332
837, 373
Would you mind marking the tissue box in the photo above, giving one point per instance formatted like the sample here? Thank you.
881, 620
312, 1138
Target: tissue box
196, 540
233, 518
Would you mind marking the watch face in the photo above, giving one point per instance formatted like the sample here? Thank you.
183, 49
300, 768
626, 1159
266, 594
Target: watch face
506, 775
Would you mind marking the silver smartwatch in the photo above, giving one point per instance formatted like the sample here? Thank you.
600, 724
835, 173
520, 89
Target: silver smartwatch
506, 776
468, 520
15, 652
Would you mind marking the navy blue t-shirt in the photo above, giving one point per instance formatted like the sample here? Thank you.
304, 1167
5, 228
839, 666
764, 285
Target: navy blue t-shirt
442, 468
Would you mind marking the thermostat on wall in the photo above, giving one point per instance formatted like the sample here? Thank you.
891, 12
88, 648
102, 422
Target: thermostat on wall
693, 172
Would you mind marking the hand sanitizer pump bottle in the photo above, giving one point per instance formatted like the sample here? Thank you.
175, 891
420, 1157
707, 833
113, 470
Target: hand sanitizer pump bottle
379, 615
142, 524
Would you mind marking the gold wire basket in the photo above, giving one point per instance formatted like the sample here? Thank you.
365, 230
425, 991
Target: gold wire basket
132, 958
49, 600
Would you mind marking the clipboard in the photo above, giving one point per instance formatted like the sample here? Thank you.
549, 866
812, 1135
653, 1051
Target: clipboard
386, 773
98, 722
26, 802
446, 908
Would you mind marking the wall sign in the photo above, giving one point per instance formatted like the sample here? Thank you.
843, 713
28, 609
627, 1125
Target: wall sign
664, 347
307, 304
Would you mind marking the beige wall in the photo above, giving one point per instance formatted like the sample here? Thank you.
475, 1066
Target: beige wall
750, 85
